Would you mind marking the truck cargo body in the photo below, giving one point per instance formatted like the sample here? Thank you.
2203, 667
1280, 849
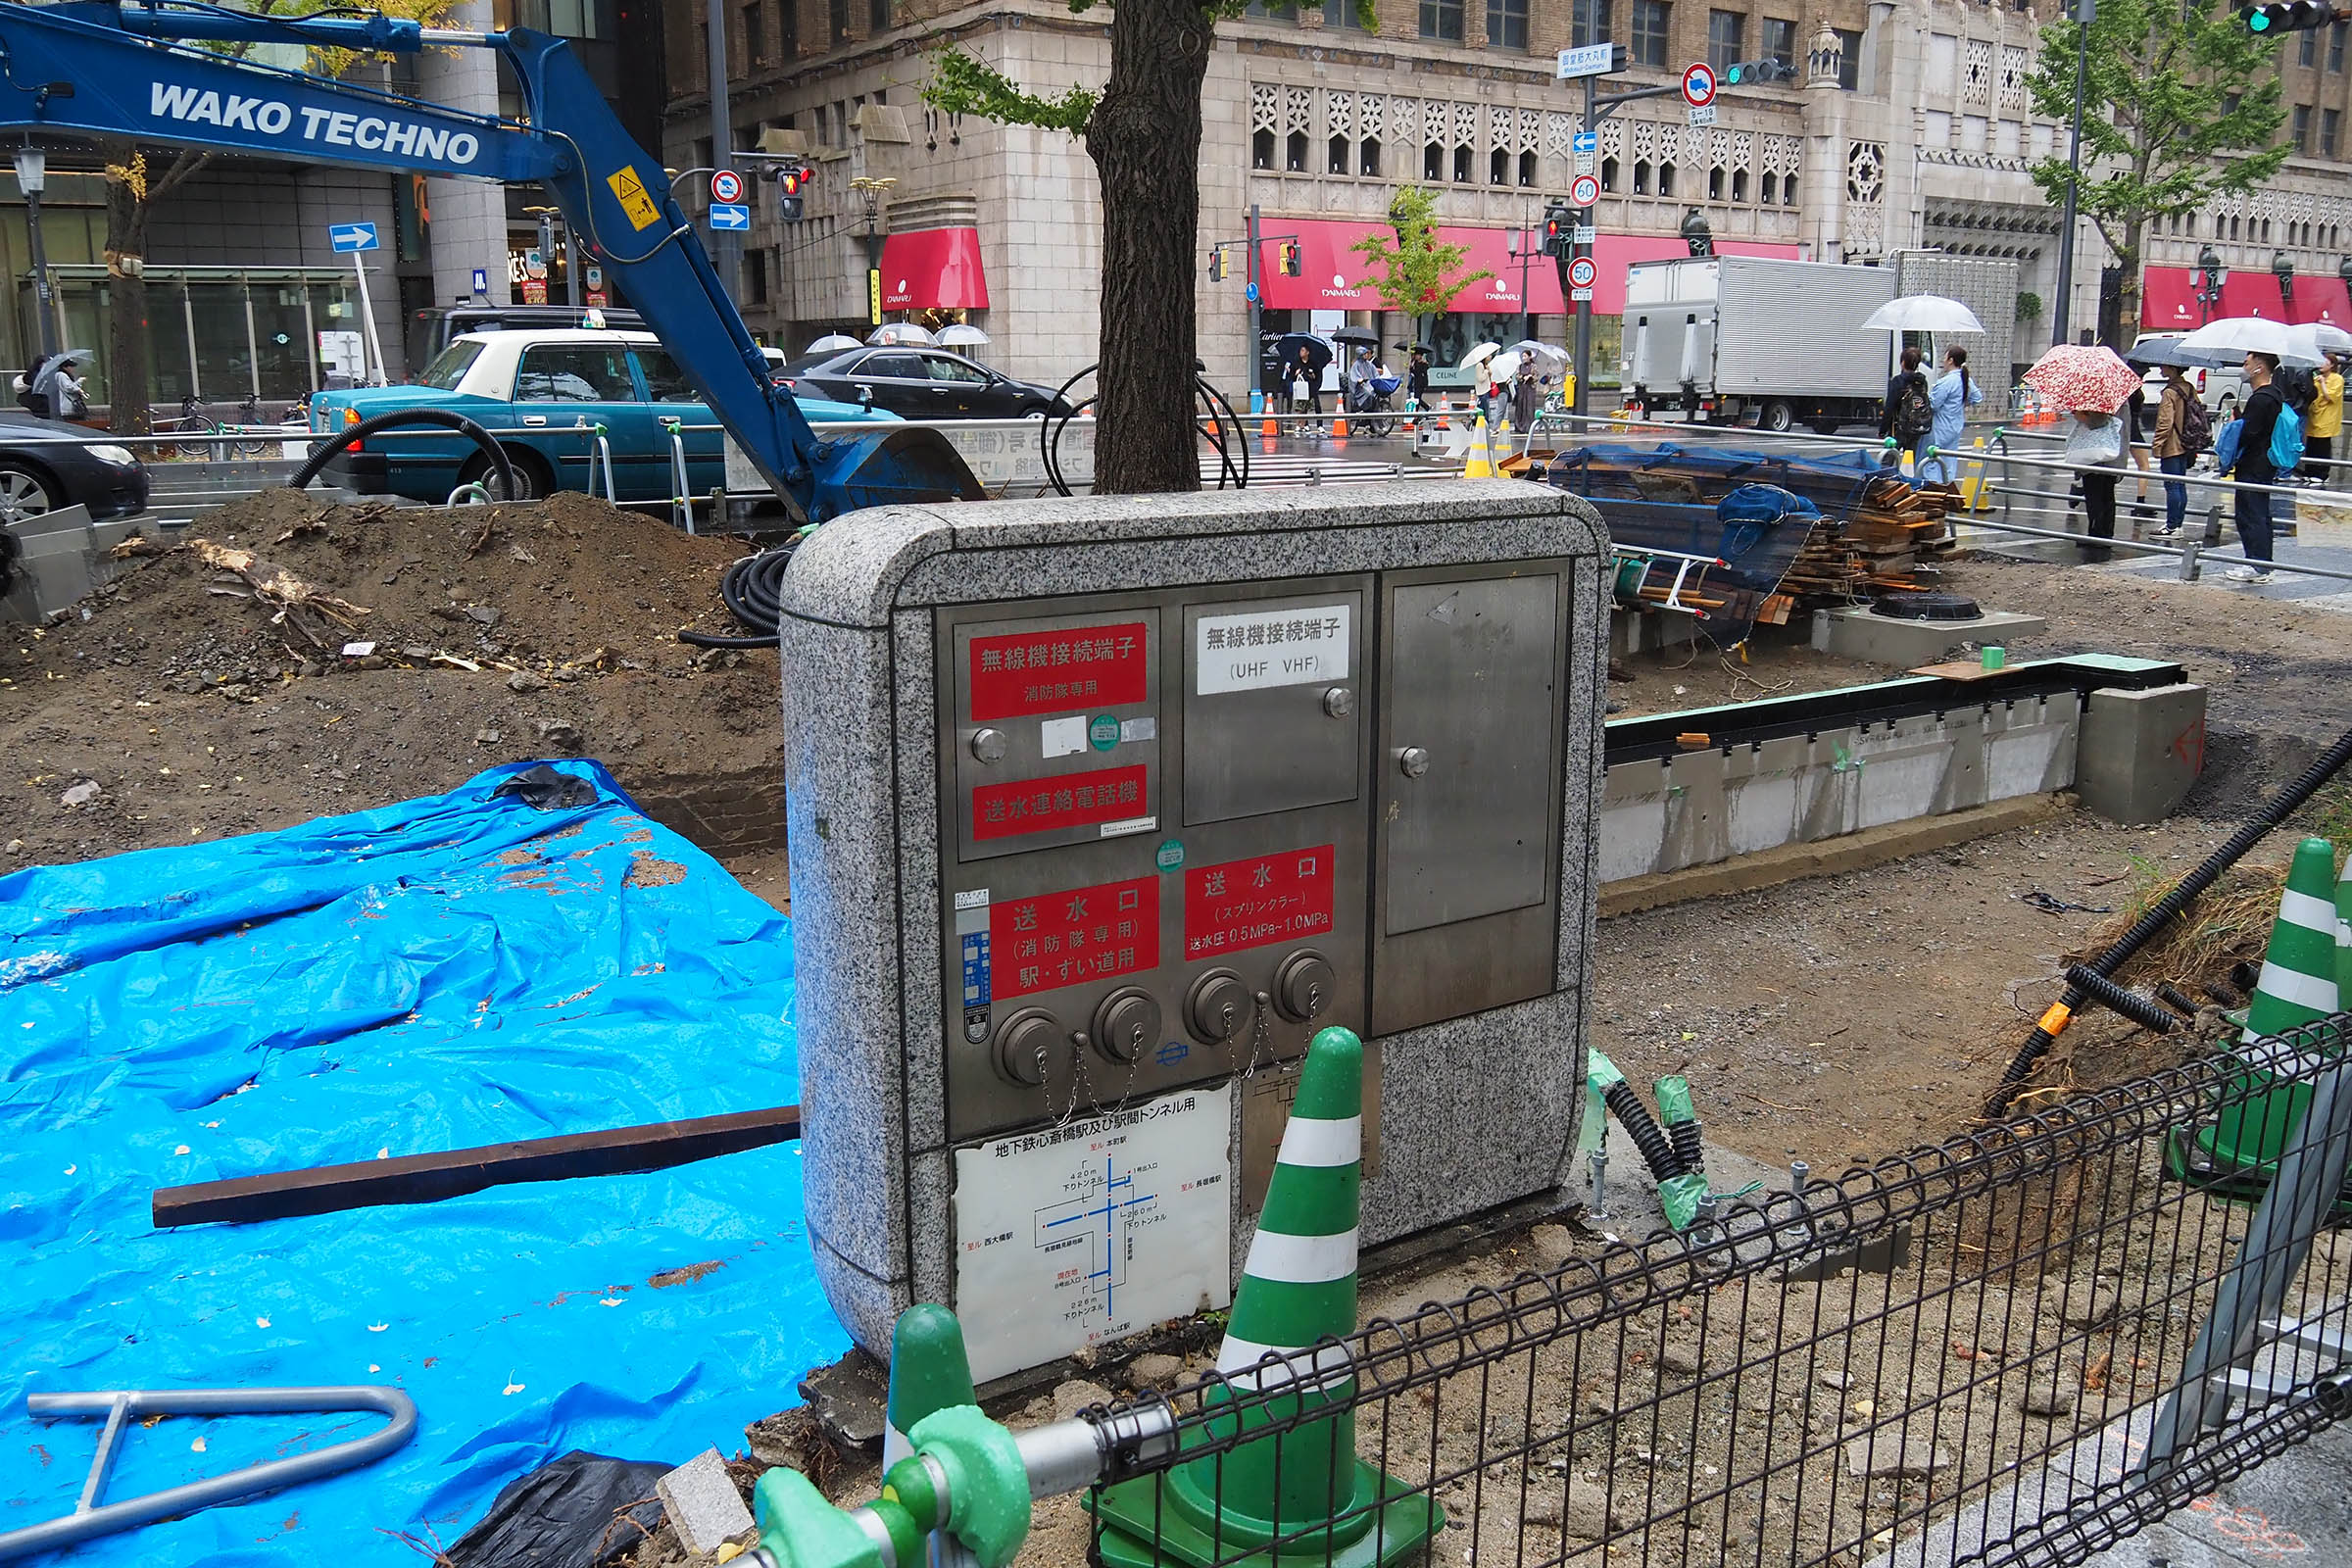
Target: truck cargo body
1753, 340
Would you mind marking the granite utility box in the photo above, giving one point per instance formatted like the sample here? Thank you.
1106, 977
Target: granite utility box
1100, 809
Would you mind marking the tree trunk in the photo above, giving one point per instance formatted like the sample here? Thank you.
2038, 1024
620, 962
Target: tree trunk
1144, 138
126, 332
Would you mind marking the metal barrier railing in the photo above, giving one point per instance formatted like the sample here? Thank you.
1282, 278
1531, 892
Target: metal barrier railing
1954, 1355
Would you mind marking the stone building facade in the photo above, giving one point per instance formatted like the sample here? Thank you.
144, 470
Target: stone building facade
1907, 125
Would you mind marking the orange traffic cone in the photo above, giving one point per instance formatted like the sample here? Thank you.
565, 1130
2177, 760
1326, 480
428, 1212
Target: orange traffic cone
1338, 428
1268, 429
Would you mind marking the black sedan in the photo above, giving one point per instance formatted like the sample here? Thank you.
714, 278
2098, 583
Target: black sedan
45, 464
919, 384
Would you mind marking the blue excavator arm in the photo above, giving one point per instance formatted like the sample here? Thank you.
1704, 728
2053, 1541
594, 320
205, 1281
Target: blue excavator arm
138, 69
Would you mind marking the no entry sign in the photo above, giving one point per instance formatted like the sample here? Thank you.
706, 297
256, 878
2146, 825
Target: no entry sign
1699, 85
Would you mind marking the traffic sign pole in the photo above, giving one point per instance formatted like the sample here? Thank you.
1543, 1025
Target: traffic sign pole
1583, 237
359, 268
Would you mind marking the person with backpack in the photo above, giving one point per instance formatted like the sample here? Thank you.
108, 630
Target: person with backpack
2182, 430
1909, 418
2260, 444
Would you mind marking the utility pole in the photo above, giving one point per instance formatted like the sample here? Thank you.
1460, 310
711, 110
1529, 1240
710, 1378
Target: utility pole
726, 245
2085, 11
1257, 348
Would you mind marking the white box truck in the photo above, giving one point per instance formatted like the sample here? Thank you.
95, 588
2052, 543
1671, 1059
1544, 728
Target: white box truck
1752, 340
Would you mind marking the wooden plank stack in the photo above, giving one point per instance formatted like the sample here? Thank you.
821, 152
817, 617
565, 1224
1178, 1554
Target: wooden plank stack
1886, 544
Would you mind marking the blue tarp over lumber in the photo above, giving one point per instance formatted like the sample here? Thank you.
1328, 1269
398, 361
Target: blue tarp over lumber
439, 973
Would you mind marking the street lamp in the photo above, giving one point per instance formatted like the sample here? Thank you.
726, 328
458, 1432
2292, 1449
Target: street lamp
2212, 274
1696, 234
2283, 268
1520, 242
871, 191
32, 172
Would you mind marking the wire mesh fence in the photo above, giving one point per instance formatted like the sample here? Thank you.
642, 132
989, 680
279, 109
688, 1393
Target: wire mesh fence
1957, 1356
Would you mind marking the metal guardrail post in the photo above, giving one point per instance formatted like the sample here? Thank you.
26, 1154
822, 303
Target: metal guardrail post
681, 503
2244, 1320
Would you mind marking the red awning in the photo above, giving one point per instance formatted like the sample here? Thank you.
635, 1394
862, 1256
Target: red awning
2323, 299
1331, 274
2168, 300
933, 270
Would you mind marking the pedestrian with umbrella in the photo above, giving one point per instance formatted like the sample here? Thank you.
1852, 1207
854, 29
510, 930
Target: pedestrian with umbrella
1908, 418
1416, 378
2252, 464
2091, 383
1948, 403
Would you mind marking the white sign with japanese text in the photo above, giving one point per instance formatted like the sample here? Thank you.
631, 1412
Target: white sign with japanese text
1069, 1236
1253, 650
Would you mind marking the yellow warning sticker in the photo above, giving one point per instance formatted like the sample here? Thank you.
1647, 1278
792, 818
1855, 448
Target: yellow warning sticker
633, 198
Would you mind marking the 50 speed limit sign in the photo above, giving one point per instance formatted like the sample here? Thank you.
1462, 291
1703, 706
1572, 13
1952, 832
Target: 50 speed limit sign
1582, 273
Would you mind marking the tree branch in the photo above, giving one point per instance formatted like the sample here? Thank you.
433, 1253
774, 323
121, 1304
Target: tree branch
184, 167
960, 84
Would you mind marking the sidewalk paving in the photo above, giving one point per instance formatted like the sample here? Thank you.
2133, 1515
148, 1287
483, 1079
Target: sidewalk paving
2296, 1510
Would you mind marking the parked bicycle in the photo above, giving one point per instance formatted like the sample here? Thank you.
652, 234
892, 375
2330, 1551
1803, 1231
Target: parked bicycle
206, 438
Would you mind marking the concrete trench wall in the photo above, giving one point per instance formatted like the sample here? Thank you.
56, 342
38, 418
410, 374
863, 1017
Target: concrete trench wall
1707, 805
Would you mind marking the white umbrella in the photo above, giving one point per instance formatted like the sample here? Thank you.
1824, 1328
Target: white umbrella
1551, 355
902, 335
833, 343
2331, 337
2233, 337
1478, 352
960, 336
1923, 313
1505, 367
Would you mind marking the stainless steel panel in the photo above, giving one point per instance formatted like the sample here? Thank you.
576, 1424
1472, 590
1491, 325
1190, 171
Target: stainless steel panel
1045, 741
1474, 685
1271, 709
1288, 879
1466, 799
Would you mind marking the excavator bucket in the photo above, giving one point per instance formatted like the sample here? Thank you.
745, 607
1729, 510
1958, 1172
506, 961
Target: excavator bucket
891, 466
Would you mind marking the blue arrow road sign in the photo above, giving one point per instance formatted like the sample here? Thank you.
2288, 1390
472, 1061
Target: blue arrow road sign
1588, 141
351, 237
730, 214
1251, 293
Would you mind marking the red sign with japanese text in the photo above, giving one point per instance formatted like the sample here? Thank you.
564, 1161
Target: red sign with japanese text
1030, 672
1073, 800
1074, 937
1249, 904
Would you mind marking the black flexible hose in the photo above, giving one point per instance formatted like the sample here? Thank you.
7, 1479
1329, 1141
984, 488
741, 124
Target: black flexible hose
2096, 987
1215, 406
2173, 997
753, 590
1690, 1142
385, 421
2277, 809
1633, 1116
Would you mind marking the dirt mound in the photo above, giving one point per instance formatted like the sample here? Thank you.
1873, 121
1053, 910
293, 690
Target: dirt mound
207, 691
284, 579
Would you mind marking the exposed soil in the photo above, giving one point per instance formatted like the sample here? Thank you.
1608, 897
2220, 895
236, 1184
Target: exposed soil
201, 707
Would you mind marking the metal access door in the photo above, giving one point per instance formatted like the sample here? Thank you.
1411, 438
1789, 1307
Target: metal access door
1466, 862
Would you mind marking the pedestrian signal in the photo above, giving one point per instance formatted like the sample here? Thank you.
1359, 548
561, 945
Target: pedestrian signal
789, 184
1288, 258
1216, 264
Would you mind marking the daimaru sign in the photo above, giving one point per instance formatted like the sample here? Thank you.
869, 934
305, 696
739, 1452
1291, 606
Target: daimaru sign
392, 135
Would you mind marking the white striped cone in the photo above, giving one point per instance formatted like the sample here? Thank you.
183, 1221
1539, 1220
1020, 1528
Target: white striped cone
1480, 463
2343, 938
2298, 970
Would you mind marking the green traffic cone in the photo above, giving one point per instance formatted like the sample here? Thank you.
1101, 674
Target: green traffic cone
2297, 987
1304, 1488
2343, 938
928, 1371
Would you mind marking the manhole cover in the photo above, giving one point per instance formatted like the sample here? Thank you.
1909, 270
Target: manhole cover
1925, 606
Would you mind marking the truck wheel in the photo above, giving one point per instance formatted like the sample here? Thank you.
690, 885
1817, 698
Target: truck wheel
1776, 418
1823, 424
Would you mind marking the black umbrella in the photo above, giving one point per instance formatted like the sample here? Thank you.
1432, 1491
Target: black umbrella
2155, 351
1318, 352
1357, 334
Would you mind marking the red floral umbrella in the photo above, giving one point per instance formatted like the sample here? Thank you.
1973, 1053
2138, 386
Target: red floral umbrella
2082, 377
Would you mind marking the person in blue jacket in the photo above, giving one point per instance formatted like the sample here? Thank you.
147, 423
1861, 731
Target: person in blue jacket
1950, 399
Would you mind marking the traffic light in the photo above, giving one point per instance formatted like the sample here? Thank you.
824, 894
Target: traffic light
1287, 255
791, 180
2294, 15
1750, 73
1559, 232
1216, 264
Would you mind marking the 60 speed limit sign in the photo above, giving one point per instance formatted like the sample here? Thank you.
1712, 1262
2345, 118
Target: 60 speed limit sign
1582, 271
1584, 192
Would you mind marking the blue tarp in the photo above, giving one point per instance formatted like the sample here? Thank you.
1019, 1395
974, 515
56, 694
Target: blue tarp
443, 972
